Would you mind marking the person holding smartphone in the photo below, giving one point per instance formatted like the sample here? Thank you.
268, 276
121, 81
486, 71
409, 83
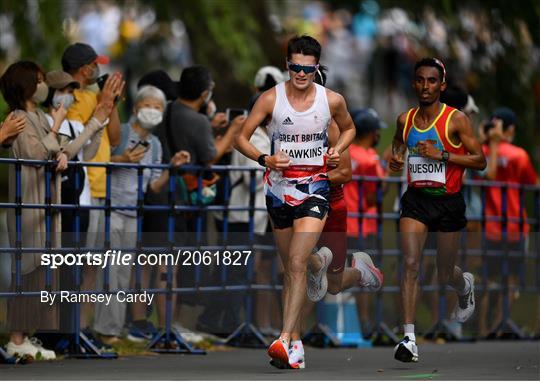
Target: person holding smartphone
137, 145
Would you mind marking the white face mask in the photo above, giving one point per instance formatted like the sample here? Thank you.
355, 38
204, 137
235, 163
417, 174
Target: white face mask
67, 99
149, 118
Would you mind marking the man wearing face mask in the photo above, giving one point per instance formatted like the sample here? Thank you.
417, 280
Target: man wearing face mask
137, 145
185, 128
82, 62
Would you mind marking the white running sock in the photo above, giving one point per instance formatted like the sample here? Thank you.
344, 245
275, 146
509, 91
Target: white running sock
408, 329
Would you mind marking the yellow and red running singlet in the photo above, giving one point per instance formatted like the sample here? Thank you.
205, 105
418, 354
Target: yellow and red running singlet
432, 176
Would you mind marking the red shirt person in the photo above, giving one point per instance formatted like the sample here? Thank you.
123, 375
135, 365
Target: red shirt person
506, 163
365, 162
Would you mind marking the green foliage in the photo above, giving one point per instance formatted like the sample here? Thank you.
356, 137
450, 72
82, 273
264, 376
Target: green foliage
38, 28
227, 35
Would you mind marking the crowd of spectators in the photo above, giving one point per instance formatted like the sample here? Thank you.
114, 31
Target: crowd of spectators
71, 114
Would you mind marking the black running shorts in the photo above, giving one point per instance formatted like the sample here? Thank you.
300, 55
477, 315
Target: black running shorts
283, 216
440, 213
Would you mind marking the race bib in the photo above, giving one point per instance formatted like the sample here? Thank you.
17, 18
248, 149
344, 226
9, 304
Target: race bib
425, 172
305, 153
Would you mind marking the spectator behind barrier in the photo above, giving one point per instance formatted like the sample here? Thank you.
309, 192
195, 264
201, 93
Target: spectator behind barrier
185, 128
506, 163
83, 144
365, 161
82, 62
137, 145
23, 88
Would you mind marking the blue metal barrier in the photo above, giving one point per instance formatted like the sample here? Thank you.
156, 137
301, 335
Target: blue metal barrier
169, 340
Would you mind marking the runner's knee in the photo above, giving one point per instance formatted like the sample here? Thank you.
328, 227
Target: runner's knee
296, 264
412, 267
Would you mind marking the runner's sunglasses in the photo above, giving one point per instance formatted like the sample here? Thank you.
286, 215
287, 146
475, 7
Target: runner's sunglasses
297, 68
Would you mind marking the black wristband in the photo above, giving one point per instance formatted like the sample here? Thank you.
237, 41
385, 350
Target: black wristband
260, 159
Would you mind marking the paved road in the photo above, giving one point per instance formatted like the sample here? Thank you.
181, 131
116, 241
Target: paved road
477, 361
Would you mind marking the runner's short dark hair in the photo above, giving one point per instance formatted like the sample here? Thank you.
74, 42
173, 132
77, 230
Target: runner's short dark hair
434, 63
305, 45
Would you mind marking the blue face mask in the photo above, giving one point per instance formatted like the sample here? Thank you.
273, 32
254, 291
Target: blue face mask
67, 99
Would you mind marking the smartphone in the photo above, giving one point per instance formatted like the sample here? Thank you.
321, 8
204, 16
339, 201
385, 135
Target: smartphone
233, 113
101, 81
141, 143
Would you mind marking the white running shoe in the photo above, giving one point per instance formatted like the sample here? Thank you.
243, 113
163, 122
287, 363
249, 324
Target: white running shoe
372, 278
406, 351
297, 358
317, 283
32, 347
465, 306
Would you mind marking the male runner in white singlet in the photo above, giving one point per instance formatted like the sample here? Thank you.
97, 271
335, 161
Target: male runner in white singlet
296, 182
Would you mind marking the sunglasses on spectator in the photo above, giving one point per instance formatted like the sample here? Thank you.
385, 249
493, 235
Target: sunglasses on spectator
297, 68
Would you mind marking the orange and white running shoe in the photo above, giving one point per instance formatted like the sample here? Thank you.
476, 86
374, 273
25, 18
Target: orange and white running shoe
297, 358
279, 353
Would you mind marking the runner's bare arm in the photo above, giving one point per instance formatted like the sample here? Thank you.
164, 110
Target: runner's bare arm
460, 127
338, 109
398, 145
343, 172
262, 108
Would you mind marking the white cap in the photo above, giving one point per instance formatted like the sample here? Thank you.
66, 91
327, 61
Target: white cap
260, 77
470, 107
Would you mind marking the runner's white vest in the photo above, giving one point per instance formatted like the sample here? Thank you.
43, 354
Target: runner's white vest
302, 135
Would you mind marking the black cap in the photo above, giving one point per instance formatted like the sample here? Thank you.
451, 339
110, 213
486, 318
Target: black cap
366, 121
506, 114
80, 54
161, 80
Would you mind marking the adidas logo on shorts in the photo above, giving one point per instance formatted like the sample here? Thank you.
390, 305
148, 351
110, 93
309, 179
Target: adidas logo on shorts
287, 121
315, 209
